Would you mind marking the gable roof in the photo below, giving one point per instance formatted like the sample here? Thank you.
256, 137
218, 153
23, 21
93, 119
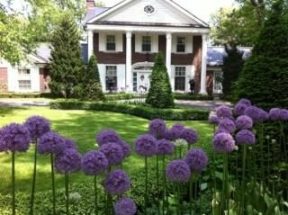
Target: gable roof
93, 12
184, 12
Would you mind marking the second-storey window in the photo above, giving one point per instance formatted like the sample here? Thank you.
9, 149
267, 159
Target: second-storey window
180, 44
146, 44
111, 78
110, 43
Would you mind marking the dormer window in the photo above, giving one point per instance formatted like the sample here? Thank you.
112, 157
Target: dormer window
110, 43
180, 44
146, 44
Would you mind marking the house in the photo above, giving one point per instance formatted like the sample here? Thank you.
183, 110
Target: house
126, 37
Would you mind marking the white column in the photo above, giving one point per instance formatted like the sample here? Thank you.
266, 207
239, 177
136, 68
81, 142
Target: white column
90, 44
129, 83
203, 90
168, 57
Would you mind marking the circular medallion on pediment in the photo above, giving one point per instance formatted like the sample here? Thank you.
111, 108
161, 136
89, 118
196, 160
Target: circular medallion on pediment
149, 9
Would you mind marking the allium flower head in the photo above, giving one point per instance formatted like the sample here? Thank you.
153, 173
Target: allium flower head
113, 153
227, 124
68, 161
180, 142
224, 112
15, 137
3, 145
51, 143
178, 171
221, 130
146, 145
264, 116
254, 113
125, 206
94, 163
165, 147
223, 143
157, 128
246, 102
125, 148
196, 159
244, 122
245, 137
240, 108
274, 114
117, 182
174, 133
37, 126
213, 119
107, 136
284, 115
69, 144
190, 135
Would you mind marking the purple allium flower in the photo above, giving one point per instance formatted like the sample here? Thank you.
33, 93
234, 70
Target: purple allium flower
227, 124
68, 161
264, 116
125, 148
221, 130
190, 135
246, 102
107, 136
213, 119
165, 147
125, 206
223, 143
239, 109
274, 114
146, 145
37, 126
113, 153
284, 115
175, 132
224, 112
244, 122
94, 163
51, 142
196, 159
3, 145
178, 171
254, 113
15, 137
157, 128
117, 182
245, 137
69, 144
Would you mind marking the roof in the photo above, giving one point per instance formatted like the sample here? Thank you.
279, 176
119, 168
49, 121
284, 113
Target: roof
43, 52
93, 12
216, 54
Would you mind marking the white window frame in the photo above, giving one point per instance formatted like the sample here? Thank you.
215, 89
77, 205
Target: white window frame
107, 37
179, 75
113, 76
142, 43
24, 75
183, 44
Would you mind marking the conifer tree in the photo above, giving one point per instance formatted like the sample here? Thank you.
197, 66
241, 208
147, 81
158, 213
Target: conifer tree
160, 93
66, 67
264, 78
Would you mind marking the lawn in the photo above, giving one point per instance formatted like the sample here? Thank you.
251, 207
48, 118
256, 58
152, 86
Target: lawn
81, 126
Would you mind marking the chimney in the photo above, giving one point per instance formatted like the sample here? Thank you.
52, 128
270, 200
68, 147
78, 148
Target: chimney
90, 4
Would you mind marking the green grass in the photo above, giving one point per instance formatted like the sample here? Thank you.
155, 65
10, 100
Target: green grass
81, 126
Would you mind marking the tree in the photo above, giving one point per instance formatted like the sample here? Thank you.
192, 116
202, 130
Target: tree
66, 67
232, 66
264, 77
92, 88
160, 93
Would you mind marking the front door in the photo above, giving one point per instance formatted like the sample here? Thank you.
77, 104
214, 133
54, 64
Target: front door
143, 81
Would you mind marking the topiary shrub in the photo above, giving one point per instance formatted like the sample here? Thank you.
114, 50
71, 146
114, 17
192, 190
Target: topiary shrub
160, 93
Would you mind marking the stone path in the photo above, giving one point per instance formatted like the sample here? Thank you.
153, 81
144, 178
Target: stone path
7, 102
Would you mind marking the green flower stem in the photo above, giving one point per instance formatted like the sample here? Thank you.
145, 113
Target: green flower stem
96, 195
179, 209
13, 184
262, 153
164, 185
53, 183
157, 182
214, 181
190, 195
243, 180
33, 180
282, 140
225, 197
67, 192
146, 185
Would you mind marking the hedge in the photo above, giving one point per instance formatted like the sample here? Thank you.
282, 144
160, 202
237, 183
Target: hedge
187, 96
135, 110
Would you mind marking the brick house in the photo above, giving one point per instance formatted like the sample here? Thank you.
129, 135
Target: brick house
126, 37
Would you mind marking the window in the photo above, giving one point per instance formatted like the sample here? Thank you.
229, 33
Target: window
135, 81
180, 78
146, 44
24, 72
110, 43
24, 84
180, 44
111, 78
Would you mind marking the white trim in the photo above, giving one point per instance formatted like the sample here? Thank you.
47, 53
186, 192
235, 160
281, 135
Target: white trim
195, 31
203, 89
128, 85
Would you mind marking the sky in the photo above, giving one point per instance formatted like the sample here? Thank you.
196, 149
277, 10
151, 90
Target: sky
203, 9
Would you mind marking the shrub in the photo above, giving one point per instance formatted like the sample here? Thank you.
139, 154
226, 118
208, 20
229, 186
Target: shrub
187, 96
160, 93
140, 111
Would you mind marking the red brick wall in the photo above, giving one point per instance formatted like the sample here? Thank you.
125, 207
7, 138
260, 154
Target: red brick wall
209, 82
3, 80
197, 59
44, 79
